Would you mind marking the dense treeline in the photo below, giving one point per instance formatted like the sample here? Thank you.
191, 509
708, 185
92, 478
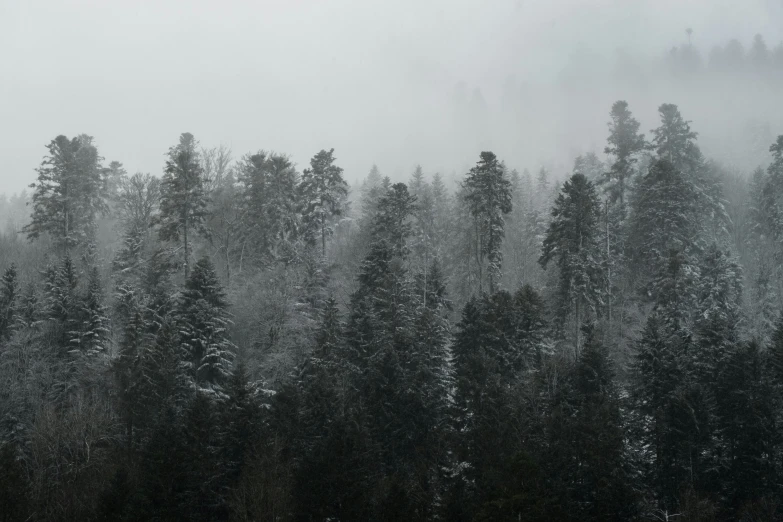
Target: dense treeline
238, 340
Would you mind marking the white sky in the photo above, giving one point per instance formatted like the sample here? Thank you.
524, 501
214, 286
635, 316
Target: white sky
371, 78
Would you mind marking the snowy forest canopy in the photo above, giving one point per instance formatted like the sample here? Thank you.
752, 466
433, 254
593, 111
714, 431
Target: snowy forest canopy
240, 340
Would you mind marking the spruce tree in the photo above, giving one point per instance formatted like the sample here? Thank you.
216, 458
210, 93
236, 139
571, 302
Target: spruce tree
322, 190
68, 195
203, 321
747, 427
183, 201
9, 303
624, 144
572, 242
665, 217
674, 141
94, 332
586, 437
488, 194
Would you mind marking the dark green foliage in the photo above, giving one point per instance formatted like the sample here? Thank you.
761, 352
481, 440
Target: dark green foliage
15, 500
269, 204
203, 322
322, 191
9, 303
183, 199
746, 427
664, 217
498, 340
625, 144
68, 194
488, 194
120, 397
674, 141
586, 440
572, 241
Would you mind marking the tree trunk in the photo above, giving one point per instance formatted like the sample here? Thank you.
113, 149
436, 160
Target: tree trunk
608, 274
187, 258
577, 324
323, 239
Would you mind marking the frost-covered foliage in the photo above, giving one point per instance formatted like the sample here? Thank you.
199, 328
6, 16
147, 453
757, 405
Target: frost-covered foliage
625, 364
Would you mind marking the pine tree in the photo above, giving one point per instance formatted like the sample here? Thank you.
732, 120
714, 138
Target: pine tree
322, 189
68, 193
183, 202
572, 241
203, 321
488, 194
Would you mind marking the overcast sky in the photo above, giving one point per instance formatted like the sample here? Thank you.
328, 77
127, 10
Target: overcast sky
369, 78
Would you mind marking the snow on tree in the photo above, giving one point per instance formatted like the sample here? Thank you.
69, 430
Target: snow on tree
69, 192
572, 242
183, 201
203, 321
322, 190
488, 194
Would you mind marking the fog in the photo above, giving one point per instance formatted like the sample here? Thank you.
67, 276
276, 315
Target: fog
393, 83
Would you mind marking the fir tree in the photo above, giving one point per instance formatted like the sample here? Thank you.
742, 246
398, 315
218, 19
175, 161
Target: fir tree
586, 435
488, 194
393, 219
322, 189
94, 331
9, 303
204, 320
572, 241
747, 427
68, 193
674, 141
183, 202
665, 217
625, 144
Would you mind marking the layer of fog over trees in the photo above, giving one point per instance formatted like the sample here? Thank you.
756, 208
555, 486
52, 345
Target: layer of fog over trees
570, 310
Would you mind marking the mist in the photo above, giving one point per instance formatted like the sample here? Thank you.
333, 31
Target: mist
331, 260
393, 84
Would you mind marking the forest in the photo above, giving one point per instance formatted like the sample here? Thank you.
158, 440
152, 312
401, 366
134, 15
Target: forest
236, 339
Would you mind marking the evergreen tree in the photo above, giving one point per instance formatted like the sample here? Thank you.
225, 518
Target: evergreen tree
393, 219
665, 217
674, 140
68, 193
268, 216
572, 241
9, 303
204, 320
322, 189
657, 379
586, 439
488, 194
747, 427
625, 144
94, 332
183, 202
